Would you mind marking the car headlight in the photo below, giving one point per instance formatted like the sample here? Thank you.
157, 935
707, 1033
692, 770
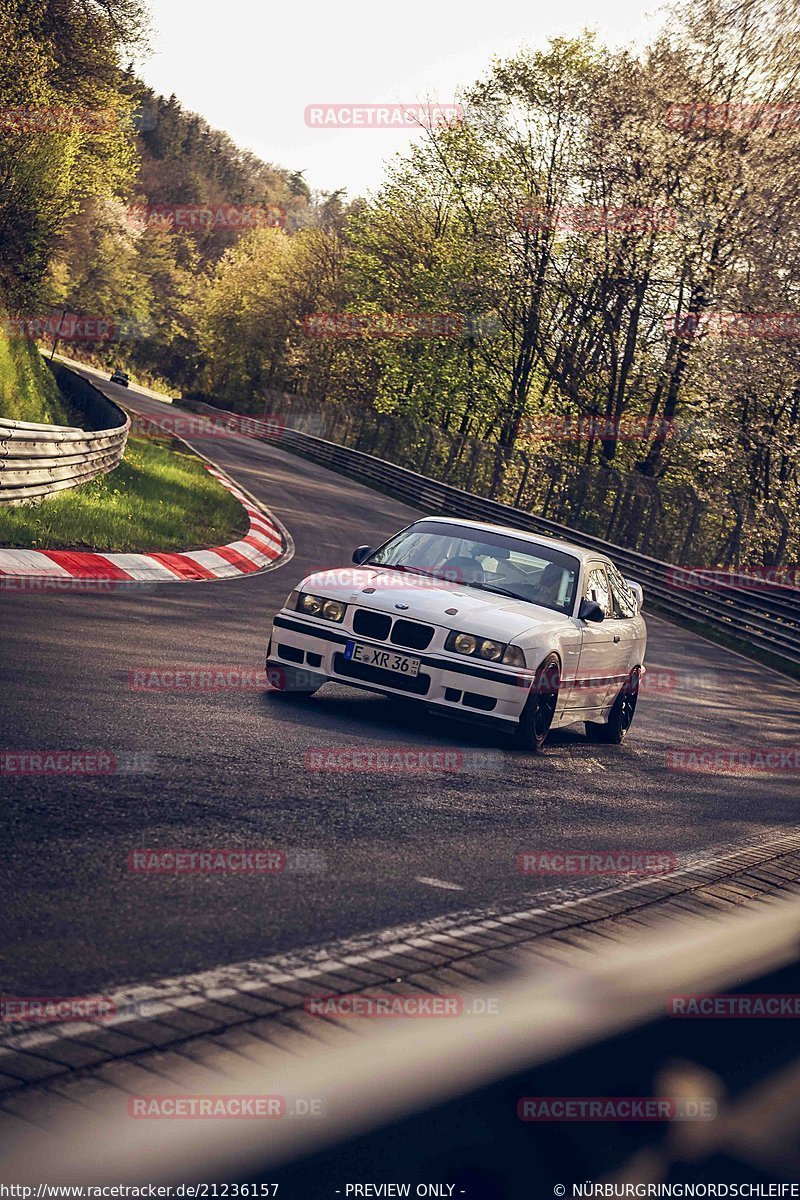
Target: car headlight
487, 648
333, 610
462, 643
318, 606
309, 604
291, 599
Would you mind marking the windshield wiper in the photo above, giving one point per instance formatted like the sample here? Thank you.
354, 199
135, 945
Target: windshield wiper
490, 587
410, 570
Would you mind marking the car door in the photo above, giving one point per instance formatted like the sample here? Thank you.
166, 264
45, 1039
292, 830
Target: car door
601, 653
628, 623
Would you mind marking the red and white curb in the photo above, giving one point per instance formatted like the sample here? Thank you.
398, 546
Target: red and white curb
264, 543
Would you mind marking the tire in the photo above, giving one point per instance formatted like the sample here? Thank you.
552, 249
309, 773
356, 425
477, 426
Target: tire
292, 682
614, 731
537, 715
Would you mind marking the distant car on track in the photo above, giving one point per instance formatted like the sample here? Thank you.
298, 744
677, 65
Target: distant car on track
121, 378
472, 620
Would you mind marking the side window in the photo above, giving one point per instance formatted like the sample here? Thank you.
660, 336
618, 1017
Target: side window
597, 589
622, 600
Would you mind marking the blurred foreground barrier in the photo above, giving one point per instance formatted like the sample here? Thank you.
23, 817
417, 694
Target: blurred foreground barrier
37, 460
445, 1100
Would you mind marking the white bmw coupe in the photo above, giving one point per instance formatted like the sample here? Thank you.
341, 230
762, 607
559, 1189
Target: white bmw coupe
472, 620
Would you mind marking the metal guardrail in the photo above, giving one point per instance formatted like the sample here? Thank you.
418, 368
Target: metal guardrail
38, 460
768, 618
772, 622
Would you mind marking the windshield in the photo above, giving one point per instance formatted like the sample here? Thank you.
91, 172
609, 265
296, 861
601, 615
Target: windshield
529, 571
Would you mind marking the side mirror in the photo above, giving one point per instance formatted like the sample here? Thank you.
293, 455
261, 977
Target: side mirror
636, 588
590, 610
361, 553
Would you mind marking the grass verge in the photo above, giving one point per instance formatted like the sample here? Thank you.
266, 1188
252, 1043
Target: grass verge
160, 498
28, 391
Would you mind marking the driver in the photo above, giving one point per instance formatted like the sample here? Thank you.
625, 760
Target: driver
549, 585
463, 568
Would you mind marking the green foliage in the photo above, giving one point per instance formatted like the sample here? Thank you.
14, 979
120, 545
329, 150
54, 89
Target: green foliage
561, 320
145, 274
28, 390
72, 140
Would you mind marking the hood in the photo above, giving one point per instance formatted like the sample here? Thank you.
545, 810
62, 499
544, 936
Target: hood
481, 613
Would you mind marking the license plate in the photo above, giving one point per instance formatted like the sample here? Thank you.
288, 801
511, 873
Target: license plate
387, 660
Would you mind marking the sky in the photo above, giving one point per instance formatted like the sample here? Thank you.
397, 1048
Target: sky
253, 67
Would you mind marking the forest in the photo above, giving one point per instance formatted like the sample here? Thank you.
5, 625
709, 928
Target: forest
579, 295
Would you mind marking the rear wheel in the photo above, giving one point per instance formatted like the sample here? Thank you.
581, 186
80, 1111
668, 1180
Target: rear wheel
537, 715
621, 716
292, 681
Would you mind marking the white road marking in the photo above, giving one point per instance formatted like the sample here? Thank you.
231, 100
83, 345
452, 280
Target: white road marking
440, 883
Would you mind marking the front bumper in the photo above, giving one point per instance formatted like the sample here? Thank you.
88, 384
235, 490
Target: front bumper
469, 689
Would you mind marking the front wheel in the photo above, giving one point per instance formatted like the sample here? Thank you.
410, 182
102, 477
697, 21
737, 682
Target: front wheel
621, 716
537, 715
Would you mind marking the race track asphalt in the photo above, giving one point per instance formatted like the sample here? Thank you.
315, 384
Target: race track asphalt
227, 769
